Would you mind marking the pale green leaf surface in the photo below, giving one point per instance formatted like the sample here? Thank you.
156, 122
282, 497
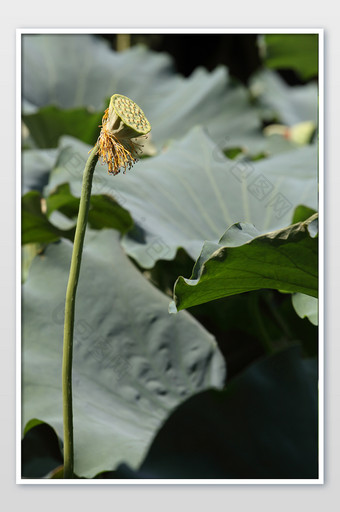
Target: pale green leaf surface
192, 193
306, 306
291, 104
36, 167
71, 71
133, 363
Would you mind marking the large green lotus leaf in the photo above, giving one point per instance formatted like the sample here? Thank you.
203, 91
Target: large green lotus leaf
133, 362
243, 260
104, 212
46, 125
68, 71
36, 227
71, 71
264, 424
289, 104
61, 206
292, 51
192, 193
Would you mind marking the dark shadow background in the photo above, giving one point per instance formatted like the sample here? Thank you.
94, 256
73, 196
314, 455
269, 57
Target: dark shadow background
239, 52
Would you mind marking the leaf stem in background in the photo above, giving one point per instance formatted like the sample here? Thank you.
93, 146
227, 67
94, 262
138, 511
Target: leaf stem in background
70, 309
268, 298
258, 317
123, 42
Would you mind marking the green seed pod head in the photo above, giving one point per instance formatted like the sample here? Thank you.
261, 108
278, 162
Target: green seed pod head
126, 119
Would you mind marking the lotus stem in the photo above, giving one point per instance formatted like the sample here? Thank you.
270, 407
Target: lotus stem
70, 309
122, 122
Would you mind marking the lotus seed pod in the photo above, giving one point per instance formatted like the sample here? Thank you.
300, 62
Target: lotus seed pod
123, 122
126, 119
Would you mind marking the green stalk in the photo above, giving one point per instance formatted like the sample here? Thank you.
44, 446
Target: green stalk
255, 310
70, 308
277, 316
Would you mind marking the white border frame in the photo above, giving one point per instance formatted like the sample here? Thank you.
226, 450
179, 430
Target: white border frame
259, 31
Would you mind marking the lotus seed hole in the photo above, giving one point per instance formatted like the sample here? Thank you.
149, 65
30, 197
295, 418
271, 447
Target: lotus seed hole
131, 114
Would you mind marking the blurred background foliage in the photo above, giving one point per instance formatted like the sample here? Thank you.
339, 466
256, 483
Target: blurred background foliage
227, 111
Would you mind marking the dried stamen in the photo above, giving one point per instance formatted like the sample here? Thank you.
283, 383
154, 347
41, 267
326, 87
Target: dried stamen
122, 123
